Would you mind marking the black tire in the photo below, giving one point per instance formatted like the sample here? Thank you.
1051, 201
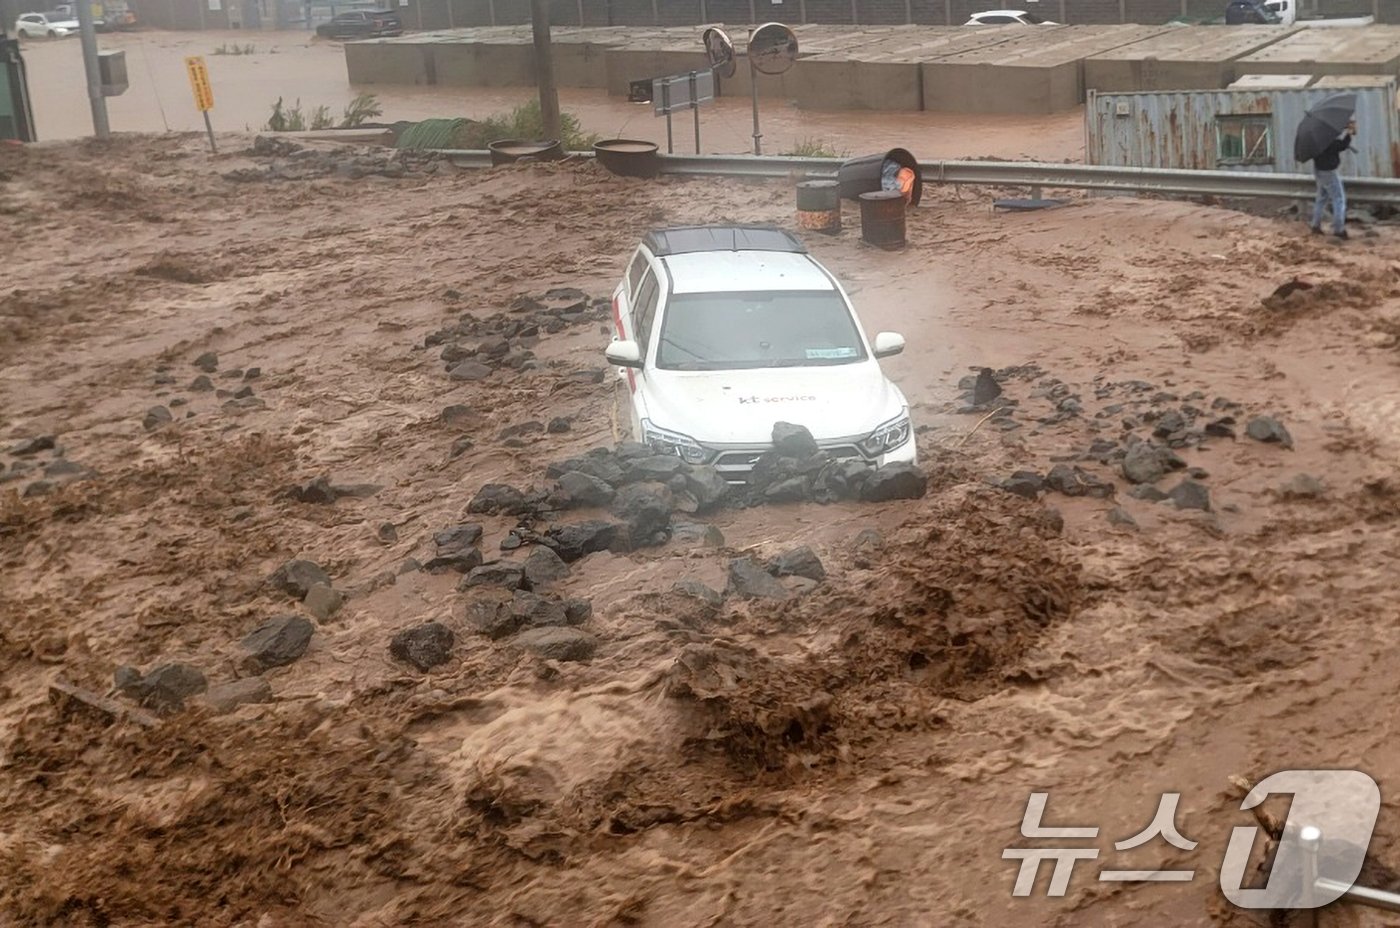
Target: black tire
52, 34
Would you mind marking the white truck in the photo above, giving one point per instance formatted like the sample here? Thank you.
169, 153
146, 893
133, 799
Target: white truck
1285, 13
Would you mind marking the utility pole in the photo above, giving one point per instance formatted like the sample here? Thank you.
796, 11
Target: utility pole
94, 79
544, 69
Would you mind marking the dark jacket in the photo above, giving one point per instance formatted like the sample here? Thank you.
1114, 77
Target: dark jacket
1331, 157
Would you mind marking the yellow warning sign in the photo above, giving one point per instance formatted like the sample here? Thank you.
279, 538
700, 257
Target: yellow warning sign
199, 83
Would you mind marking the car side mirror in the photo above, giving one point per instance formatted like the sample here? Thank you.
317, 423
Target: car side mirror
888, 343
624, 353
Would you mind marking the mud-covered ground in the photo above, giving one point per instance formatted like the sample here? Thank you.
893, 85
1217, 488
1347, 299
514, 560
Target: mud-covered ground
857, 754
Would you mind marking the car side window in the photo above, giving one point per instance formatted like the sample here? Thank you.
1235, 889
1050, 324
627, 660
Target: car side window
997, 20
635, 272
644, 310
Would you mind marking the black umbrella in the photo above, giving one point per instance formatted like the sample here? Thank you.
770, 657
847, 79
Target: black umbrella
1322, 124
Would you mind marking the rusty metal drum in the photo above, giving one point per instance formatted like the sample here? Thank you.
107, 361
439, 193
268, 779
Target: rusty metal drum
882, 218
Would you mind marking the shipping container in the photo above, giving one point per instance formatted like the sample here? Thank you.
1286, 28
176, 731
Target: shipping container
1237, 130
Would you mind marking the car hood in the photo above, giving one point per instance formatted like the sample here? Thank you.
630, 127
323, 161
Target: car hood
65, 24
740, 407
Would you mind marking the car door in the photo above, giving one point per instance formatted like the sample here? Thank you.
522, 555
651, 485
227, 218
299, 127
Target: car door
647, 297
26, 26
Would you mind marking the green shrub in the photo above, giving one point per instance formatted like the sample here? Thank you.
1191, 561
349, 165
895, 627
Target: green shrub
815, 148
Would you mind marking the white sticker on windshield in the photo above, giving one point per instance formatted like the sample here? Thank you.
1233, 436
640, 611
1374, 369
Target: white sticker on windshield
814, 354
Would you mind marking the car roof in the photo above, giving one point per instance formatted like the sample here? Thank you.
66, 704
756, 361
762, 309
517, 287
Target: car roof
999, 13
711, 238
729, 271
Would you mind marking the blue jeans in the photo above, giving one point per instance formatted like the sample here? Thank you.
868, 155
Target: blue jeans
1329, 189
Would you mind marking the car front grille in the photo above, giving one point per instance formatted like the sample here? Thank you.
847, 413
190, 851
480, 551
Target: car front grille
735, 465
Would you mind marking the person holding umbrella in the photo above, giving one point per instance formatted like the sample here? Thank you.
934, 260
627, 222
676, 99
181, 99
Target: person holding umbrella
1325, 132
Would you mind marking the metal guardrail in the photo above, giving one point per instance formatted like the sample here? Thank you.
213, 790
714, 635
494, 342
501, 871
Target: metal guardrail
1163, 181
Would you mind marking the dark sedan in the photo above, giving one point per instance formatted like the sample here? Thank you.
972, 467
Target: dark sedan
362, 24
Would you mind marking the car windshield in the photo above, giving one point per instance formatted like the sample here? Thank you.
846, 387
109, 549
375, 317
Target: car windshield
738, 330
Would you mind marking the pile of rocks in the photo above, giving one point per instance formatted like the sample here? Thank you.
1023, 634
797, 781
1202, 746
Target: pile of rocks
43, 463
475, 347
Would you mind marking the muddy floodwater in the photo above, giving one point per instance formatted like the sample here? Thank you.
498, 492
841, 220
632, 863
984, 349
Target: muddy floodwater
296, 67
328, 596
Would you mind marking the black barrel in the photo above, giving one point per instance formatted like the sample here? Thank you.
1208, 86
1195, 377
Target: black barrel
813, 195
862, 175
882, 218
819, 206
506, 151
629, 157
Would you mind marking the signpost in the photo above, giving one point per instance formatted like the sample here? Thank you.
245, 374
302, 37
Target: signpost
679, 91
203, 93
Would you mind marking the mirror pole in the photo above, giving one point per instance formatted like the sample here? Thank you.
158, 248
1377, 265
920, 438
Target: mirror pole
753, 86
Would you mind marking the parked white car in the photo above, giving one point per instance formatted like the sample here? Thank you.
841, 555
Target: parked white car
1007, 18
45, 26
722, 331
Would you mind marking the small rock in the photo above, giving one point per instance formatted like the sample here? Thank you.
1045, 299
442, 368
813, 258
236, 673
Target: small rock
557, 426
1188, 494
456, 549
1268, 429
1074, 481
1221, 428
748, 579
296, 577
1119, 516
1024, 483
470, 370
1142, 464
793, 441
126, 678
492, 618
496, 498
799, 562
38, 488
156, 417
697, 533
1147, 492
646, 508
460, 447
577, 489
700, 591
207, 362
1302, 486
33, 446
578, 539
707, 485
459, 416
791, 490
900, 480
201, 384
558, 644
388, 533
252, 373
277, 642
424, 646
168, 686
243, 393
62, 467
986, 388
507, 574
578, 610
322, 601
225, 697
317, 492
652, 468
542, 568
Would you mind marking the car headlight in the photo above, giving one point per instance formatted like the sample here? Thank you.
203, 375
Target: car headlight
686, 448
887, 437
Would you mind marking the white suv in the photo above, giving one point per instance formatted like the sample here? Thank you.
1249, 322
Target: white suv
721, 331
45, 25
